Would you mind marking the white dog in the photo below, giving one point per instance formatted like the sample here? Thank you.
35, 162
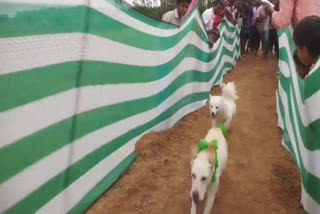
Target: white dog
223, 108
206, 168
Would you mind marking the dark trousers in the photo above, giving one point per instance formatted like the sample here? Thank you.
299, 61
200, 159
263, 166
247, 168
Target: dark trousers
254, 39
244, 37
273, 41
264, 37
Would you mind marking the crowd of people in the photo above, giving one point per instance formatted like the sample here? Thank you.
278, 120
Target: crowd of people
255, 23
259, 22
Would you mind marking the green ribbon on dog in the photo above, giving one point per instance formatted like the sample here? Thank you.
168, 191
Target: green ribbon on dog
223, 129
204, 145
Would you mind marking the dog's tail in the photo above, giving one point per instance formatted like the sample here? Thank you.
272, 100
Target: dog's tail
222, 84
229, 91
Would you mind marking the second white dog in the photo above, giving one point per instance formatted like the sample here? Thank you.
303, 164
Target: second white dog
223, 108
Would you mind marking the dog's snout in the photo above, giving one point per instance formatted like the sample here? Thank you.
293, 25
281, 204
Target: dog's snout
195, 196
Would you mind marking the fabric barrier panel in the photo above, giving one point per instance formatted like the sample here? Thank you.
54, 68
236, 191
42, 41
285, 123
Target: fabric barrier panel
299, 117
80, 82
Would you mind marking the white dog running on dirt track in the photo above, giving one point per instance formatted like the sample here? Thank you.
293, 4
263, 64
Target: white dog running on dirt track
207, 164
223, 108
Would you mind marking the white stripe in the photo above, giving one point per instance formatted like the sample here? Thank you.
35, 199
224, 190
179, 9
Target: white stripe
62, 203
312, 101
309, 204
44, 50
57, 162
312, 106
284, 68
21, 121
280, 121
291, 30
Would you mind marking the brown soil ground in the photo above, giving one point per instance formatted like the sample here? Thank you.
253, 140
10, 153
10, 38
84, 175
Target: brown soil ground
260, 178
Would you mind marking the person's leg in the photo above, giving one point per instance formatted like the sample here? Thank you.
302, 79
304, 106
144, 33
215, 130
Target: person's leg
241, 43
276, 42
271, 41
246, 39
250, 43
257, 41
265, 42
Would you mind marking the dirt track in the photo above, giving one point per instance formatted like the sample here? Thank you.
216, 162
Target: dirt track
260, 178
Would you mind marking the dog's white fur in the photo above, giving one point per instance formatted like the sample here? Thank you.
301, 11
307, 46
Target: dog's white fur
223, 108
203, 167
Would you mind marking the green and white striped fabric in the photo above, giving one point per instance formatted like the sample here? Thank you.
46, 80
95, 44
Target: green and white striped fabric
299, 117
80, 82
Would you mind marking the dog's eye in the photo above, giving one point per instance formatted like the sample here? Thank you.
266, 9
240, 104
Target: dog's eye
203, 179
217, 107
193, 176
211, 106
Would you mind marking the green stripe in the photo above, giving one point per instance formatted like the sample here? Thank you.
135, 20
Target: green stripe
102, 186
31, 85
41, 196
34, 84
310, 182
309, 134
312, 84
50, 20
220, 75
287, 33
58, 135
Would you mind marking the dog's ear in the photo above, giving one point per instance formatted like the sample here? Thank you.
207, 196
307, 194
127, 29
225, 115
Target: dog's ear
212, 155
194, 152
210, 96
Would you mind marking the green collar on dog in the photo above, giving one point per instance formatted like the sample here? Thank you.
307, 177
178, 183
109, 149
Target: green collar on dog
203, 145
